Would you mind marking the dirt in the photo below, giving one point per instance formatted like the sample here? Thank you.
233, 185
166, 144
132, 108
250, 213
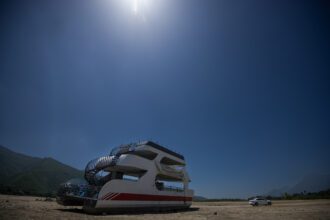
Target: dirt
25, 207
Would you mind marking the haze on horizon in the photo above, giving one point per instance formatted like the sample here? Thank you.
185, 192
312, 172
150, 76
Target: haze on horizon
240, 88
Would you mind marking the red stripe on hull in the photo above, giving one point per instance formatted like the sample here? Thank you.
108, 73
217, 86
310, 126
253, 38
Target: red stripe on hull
148, 197
107, 195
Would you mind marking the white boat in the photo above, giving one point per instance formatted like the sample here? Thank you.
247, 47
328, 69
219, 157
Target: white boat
140, 176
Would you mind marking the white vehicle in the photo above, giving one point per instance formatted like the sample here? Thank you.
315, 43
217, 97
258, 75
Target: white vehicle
259, 201
143, 176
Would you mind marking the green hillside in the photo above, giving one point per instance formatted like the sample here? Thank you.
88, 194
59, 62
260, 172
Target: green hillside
22, 174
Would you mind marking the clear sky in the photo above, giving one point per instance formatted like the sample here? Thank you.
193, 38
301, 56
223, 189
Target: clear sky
240, 88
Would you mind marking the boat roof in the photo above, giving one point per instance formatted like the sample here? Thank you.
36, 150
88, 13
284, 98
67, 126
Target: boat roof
161, 148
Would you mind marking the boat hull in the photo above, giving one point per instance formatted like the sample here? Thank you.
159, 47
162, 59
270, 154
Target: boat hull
135, 209
130, 202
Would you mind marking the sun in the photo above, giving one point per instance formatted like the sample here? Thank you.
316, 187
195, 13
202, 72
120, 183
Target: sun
135, 6
140, 7
136, 10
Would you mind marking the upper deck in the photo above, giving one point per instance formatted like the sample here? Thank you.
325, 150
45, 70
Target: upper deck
147, 148
161, 148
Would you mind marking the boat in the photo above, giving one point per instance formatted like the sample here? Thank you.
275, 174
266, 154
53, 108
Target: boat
133, 177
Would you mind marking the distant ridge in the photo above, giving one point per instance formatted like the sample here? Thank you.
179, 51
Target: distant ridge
199, 198
309, 183
312, 183
22, 174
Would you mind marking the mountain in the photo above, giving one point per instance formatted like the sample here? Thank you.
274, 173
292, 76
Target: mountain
309, 183
199, 198
22, 174
278, 192
312, 183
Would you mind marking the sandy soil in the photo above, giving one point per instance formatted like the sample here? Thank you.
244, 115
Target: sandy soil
23, 207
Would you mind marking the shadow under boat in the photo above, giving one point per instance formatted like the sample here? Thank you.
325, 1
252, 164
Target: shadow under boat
129, 211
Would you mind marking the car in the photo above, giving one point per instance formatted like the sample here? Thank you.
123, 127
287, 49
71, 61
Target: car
260, 201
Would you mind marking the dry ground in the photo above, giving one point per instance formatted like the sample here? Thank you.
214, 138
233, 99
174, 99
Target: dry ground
23, 207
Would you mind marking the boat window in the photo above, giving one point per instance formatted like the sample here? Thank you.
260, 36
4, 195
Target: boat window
129, 176
102, 177
169, 185
117, 175
169, 161
145, 154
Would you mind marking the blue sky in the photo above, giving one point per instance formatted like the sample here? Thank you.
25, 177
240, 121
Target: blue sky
239, 87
